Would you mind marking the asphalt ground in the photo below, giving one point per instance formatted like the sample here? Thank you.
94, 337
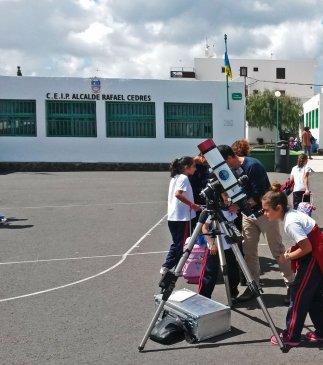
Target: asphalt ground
79, 266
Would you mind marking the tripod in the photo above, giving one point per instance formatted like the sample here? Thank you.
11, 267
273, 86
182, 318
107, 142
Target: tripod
232, 236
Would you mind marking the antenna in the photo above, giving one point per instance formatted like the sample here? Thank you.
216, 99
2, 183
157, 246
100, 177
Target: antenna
208, 51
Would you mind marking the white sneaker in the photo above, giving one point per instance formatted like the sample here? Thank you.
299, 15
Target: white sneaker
163, 270
3, 220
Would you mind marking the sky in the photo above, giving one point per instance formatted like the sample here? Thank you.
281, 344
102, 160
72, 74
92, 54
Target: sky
145, 39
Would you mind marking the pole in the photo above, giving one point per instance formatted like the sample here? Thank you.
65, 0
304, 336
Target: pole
226, 75
277, 114
245, 107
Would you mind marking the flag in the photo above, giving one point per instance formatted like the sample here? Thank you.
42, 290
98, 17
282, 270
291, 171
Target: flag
227, 67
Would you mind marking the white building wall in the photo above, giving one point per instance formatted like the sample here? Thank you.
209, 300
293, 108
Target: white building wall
300, 71
269, 136
228, 125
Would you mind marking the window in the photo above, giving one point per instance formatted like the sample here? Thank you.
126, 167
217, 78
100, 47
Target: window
71, 118
306, 119
130, 119
255, 69
17, 117
244, 71
317, 118
184, 120
280, 73
223, 70
313, 119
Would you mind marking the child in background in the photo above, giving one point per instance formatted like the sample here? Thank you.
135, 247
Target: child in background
306, 256
299, 175
181, 209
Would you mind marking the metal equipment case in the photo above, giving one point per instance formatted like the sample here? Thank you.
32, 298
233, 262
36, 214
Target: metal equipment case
205, 317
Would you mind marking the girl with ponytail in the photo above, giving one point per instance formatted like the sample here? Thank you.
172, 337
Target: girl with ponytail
300, 177
180, 209
306, 257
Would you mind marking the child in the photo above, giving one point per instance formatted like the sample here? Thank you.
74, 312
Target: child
211, 263
307, 257
181, 208
299, 175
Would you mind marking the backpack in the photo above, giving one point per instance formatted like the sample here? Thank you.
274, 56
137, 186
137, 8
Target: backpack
170, 329
193, 265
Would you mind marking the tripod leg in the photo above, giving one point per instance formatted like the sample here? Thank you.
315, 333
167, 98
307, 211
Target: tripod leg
223, 264
255, 289
152, 325
168, 281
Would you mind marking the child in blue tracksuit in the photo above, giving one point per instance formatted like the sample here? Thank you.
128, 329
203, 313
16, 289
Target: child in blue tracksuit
306, 256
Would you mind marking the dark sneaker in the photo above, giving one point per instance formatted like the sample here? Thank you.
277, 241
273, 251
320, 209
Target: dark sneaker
313, 337
245, 296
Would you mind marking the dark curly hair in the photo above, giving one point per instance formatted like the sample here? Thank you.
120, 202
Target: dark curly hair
179, 165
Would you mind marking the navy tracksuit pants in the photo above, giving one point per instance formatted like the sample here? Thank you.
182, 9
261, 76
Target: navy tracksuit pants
306, 298
210, 272
179, 231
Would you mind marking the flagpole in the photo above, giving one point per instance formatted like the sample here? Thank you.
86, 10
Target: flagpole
226, 75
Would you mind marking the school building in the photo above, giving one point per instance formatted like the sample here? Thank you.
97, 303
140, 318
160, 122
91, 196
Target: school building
64, 119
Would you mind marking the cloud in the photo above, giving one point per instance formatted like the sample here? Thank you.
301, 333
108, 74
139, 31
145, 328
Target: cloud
140, 39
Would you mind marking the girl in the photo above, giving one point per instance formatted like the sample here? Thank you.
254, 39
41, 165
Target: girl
181, 208
299, 176
307, 258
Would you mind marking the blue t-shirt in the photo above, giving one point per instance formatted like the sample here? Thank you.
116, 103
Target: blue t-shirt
258, 183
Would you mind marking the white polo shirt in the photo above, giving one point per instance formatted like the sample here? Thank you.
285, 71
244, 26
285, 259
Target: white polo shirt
176, 210
298, 225
298, 174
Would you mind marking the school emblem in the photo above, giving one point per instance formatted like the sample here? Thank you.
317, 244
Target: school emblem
96, 85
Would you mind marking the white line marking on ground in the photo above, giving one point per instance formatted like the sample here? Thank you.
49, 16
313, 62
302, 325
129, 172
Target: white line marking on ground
124, 256
78, 258
85, 205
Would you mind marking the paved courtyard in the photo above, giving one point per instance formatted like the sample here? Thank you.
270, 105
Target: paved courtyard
79, 266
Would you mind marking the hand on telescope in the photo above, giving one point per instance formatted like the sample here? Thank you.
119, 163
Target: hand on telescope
196, 207
233, 208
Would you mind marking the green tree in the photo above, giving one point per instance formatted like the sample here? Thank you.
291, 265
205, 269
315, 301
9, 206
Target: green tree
261, 111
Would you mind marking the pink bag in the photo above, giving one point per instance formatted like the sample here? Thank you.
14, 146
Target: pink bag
305, 207
193, 265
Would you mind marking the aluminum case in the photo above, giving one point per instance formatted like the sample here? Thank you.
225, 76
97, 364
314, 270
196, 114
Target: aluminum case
205, 317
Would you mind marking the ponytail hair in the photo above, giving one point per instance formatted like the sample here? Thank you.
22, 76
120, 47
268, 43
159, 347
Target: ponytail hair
179, 164
275, 197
